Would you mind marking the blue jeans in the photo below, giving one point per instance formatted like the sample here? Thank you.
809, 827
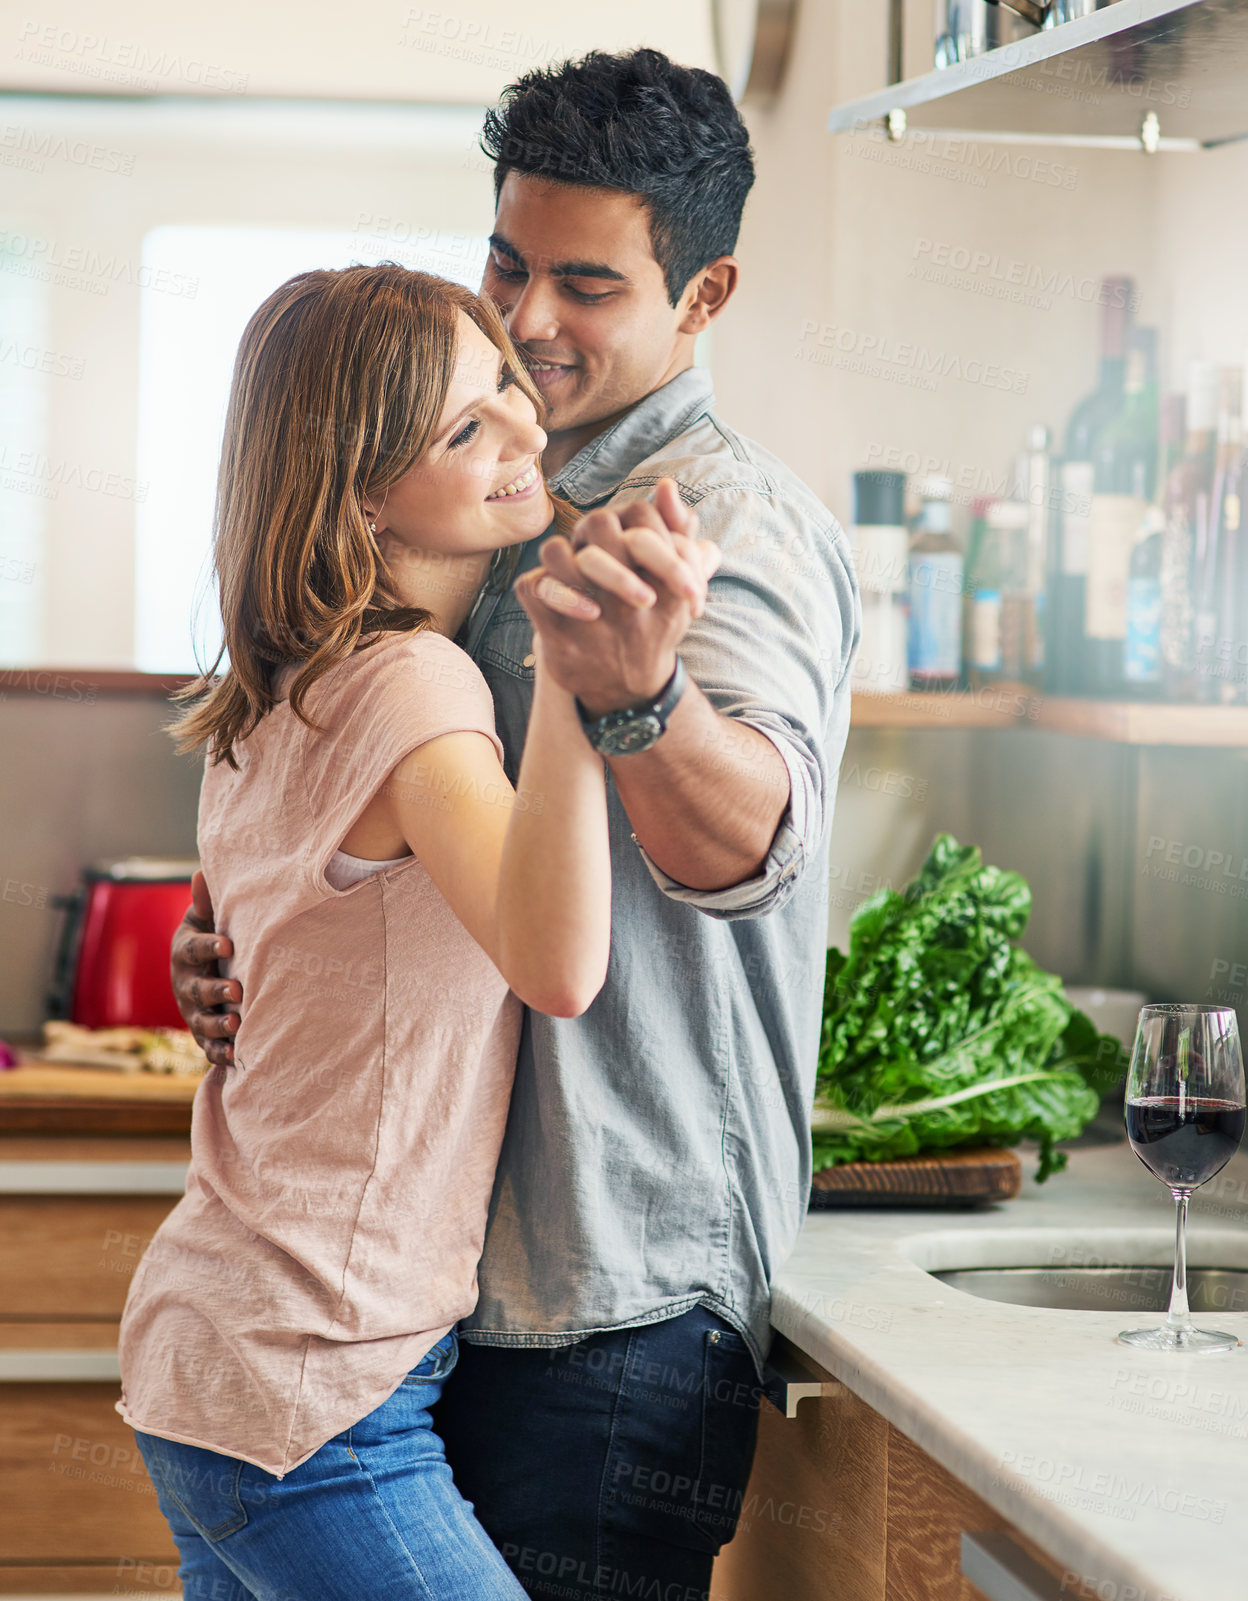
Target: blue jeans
373, 1514
614, 1467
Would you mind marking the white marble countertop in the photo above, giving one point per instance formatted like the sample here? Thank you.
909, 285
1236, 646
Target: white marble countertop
1129, 1467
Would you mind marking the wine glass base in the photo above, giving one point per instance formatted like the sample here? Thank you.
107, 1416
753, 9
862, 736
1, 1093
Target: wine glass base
1163, 1338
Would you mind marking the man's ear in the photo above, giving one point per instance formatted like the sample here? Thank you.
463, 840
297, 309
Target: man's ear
707, 293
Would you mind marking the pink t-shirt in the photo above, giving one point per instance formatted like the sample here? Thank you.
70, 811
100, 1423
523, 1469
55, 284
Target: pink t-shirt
341, 1168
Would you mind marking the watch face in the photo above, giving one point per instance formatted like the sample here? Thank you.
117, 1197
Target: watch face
638, 734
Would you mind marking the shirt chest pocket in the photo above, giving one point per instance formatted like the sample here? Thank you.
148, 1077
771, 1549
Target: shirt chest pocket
508, 642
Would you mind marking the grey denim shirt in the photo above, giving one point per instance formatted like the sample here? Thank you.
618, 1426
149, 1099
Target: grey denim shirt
657, 1152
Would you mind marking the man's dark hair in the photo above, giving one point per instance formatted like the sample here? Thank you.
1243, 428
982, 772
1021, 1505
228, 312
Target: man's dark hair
640, 124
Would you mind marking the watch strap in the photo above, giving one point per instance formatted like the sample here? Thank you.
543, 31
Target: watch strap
600, 729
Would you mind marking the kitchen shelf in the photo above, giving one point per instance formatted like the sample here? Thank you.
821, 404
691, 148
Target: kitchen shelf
1017, 706
1002, 706
1091, 82
87, 684
1134, 722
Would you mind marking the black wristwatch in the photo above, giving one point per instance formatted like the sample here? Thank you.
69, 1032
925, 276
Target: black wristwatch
636, 728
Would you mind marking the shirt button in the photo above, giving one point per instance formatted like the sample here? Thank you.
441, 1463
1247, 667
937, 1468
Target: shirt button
530, 660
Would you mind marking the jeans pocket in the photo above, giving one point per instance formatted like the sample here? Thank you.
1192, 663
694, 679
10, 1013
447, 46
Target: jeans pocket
730, 1398
436, 1364
682, 1440
204, 1484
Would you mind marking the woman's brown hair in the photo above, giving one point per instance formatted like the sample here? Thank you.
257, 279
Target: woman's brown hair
340, 380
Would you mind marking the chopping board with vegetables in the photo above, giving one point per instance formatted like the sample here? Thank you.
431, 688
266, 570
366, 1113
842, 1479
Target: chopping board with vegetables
97, 1081
952, 1178
943, 1041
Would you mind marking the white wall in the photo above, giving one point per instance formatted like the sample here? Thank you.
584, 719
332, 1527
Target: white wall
838, 233
372, 50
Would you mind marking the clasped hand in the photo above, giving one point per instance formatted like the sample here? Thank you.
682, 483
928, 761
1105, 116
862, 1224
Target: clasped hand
611, 604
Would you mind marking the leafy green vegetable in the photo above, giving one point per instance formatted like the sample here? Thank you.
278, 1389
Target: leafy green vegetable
938, 1031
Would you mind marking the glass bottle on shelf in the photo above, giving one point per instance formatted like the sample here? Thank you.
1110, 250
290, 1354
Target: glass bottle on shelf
1066, 599
973, 577
1142, 649
1125, 467
1227, 669
1214, 564
1186, 504
935, 574
879, 538
1033, 486
1237, 568
983, 634
1008, 526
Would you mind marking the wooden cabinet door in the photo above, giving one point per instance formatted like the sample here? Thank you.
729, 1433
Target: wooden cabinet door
812, 1523
841, 1506
928, 1512
73, 1255
74, 1492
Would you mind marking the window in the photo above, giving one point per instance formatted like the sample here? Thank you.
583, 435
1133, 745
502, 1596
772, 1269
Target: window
27, 366
203, 283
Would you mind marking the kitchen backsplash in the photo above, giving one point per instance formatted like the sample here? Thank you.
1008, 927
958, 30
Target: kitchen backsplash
1138, 859
84, 776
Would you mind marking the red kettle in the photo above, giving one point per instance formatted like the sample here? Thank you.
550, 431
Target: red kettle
113, 968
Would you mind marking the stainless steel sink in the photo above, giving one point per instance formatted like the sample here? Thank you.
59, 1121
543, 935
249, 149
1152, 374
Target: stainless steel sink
1101, 1289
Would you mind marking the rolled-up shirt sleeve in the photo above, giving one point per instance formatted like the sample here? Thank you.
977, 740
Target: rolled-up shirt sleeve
773, 650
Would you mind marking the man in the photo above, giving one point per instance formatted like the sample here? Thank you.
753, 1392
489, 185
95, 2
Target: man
656, 1165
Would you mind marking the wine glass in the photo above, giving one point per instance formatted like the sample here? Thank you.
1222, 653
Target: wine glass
1185, 1118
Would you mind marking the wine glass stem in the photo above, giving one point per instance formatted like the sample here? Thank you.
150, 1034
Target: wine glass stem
1179, 1317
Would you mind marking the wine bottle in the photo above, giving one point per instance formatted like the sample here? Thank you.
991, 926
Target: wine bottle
1229, 670
1125, 477
1239, 575
1186, 506
1066, 595
1219, 534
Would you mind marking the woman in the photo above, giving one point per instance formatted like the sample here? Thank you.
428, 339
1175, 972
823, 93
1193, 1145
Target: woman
293, 1321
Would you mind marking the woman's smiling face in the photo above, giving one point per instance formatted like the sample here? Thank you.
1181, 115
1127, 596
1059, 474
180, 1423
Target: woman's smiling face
478, 487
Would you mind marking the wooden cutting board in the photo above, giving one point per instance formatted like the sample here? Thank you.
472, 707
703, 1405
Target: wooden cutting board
948, 1178
40, 1097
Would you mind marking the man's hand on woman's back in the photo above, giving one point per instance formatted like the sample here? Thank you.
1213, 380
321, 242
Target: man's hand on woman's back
208, 1003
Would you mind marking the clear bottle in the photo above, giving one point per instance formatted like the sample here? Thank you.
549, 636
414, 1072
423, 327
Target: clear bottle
973, 573
935, 573
1033, 486
1009, 527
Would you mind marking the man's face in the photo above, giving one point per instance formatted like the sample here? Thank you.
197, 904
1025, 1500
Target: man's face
573, 271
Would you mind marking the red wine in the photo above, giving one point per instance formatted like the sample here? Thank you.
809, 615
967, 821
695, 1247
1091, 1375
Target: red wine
1184, 1147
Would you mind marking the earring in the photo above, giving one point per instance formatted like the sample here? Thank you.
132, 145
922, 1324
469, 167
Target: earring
372, 528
